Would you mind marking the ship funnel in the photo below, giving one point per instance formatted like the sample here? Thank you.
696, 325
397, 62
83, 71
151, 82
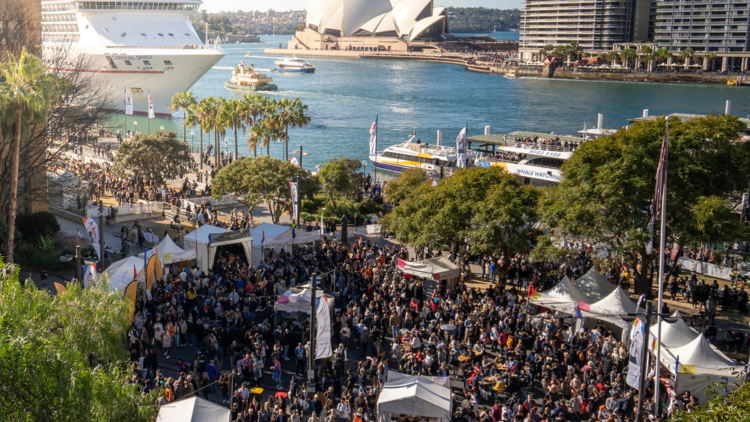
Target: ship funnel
600, 121
728, 108
486, 130
645, 112
440, 138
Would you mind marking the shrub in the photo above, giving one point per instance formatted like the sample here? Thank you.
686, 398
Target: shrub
34, 226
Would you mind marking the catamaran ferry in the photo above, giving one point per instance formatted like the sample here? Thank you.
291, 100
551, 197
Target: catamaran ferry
146, 47
434, 159
534, 157
293, 64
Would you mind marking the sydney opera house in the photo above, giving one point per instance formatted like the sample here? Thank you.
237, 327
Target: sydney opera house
384, 25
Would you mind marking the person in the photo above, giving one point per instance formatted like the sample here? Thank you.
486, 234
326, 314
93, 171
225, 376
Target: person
276, 368
301, 356
343, 410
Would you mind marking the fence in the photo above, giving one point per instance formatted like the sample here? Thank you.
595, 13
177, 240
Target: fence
224, 200
122, 210
711, 270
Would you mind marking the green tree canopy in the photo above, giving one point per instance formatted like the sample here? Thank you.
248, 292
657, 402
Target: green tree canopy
488, 206
157, 157
608, 186
336, 179
62, 357
254, 181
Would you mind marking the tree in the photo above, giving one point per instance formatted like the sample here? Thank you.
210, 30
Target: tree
156, 157
62, 357
546, 50
628, 56
335, 178
399, 189
663, 55
25, 96
257, 180
735, 407
686, 54
231, 114
253, 106
488, 206
608, 186
184, 101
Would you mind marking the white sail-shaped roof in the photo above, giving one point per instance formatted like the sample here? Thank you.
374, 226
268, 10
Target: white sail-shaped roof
387, 24
701, 354
359, 12
406, 14
424, 24
676, 334
372, 25
562, 297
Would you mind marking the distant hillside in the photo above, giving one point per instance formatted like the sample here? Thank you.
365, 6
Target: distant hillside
480, 19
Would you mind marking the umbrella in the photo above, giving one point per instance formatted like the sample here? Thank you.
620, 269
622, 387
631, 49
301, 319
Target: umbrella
447, 327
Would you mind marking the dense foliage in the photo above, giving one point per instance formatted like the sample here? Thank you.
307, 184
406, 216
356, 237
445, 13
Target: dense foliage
608, 187
480, 19
34, 226
156, 157
62, 357
735, 407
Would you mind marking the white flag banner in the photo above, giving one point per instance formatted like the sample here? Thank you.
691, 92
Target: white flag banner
637, 337
128, 102
374, 138
92, 228
322, 225
295, 199
150, 108
89, 275
461, 149
323, 347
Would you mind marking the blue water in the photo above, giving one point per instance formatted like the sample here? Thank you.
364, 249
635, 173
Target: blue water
344, 96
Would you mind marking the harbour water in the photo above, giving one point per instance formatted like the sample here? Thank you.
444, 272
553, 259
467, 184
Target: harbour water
345, 95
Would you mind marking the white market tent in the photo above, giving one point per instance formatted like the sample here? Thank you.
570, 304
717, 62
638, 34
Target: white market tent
208, 238
300, 302
562, 297
594, 285
121, 272
276, 237
395, 376
194, 409
169, 252
415, 396
701, 354
437, 268
676, 334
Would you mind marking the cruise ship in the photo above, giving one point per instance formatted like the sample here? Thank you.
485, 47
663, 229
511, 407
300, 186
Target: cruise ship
433, 159
147, 47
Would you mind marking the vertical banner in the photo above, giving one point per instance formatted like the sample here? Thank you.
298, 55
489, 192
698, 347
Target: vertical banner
637, 337
323, 336
92, 228
461, 143
374, 138
89, 275
128, 102
151, 114
295, 200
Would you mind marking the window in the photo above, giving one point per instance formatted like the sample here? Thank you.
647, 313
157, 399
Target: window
105, 29
170, 34
160, 34
147, 62
187, 35
127, 62
168, 62
124, 34
143, 34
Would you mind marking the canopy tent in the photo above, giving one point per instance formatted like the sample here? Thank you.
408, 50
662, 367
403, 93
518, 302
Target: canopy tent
121, 272
416, 396
301, 302
208, 238
701, 354
194, 409
169, 252
437, 268
395, 376
267, 235
611, 308
676, 334
594, 285
562, 297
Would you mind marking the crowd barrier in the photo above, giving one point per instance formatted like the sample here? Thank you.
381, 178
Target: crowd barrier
711, 270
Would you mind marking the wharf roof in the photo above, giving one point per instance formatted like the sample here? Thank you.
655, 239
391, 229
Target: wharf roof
681, 116
497, 139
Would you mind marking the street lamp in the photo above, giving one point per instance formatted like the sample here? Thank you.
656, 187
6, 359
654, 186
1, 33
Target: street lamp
135, 123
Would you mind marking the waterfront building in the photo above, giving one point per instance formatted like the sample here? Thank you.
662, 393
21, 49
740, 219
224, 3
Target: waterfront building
596, 25
383, 25
718, 26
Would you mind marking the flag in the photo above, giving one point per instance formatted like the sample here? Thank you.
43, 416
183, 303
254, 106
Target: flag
401, 263
677, 364
675, 250
135, 273
92, 228
295, 199
531, 289
150, 108
583, 307
128, 102
661, 176
374, 138
294, 161
461, 149
264, 237
322, 225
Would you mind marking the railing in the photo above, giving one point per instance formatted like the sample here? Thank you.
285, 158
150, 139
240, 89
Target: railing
127, 209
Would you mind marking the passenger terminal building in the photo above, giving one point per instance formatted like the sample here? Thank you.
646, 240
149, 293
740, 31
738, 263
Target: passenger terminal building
375, 25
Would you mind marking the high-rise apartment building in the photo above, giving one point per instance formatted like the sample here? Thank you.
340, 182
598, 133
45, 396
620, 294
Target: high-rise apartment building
593, 24
720, 26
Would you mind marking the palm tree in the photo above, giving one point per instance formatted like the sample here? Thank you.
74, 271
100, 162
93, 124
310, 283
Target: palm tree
663, 54
648, 54
191, 120
272, 121
201, 112
711, 57
231, 114
285, 115
686, 55
576, 50
257, 136
25, 96
255, 106
298, 117
183, 100
628, 55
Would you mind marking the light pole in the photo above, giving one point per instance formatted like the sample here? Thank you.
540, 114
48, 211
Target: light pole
101, 234
311, 363
192, 135
301, 153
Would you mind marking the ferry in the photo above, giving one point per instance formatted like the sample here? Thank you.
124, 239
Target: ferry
248, 54
511, 74
433, 159
293, 64
534, 157
245, 78
143, 46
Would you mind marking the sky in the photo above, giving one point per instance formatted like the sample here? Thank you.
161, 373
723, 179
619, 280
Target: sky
284, 5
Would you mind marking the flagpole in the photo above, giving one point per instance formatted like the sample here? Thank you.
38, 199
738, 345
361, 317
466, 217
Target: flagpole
375, 166
662, 241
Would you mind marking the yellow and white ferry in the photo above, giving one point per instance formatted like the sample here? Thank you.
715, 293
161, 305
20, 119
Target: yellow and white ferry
245, 78
416, 155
